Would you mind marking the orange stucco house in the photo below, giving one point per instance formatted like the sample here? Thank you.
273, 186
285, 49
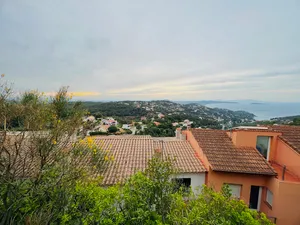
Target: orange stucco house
261, 165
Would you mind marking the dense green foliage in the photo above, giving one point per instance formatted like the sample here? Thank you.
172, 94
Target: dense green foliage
112, 129
148, 197
98, 133
296, 121
113, 109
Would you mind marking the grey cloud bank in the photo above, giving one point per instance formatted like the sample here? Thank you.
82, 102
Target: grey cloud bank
180, 50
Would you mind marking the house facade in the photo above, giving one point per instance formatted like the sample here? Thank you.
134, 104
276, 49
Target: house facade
261, 165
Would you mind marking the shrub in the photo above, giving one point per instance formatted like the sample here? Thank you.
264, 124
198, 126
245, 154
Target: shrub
112, 129
98, 133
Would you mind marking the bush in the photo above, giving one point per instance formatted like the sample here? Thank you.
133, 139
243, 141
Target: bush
98, 133
112, 129
128, 131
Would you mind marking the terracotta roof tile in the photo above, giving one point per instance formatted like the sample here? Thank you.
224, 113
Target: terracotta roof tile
224, 156
133, 153
182, 151
290, 135
123, 137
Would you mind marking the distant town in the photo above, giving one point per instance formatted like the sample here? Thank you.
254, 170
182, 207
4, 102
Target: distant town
157, 118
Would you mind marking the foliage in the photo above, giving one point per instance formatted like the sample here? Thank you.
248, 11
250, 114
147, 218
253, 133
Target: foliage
114, 109
38, 167
127, 131
112, 129
211, 207
296, 122
93, 133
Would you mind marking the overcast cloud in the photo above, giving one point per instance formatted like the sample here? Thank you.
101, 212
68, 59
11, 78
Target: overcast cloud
164, 49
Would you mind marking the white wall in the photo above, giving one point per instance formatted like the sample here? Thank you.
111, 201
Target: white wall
197, 180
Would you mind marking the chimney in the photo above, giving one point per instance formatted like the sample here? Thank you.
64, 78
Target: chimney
178, 133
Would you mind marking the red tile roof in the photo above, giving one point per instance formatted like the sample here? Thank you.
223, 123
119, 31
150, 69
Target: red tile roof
224, 156
184, 154
290, 135
133, 152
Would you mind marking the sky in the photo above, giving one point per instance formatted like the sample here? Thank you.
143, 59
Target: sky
155, 49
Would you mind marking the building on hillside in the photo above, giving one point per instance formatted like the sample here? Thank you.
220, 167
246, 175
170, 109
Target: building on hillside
261, 165
132, 153
109, 121
160, 115
156, 123
103, 128
126, 126
143, 118
89, 119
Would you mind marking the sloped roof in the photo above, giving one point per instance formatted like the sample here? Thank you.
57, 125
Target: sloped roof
290, 135
132, 154
184, 154
224, 156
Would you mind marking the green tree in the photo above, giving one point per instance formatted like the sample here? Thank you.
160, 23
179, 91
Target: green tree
112, 129
37, 171
138, 127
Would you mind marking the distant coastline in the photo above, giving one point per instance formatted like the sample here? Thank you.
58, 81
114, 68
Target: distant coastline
206, 102
263, 110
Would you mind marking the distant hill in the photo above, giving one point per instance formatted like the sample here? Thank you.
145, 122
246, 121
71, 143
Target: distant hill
206, 102
183, 111
286, 118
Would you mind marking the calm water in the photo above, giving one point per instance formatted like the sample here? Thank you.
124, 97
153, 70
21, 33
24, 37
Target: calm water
262, 111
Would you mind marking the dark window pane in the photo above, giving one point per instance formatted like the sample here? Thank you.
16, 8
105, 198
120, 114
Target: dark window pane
254, 194
262, 145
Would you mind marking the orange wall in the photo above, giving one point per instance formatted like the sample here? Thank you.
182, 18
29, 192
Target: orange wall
273, 186
288, 201
289, 157
217, 179
248, 139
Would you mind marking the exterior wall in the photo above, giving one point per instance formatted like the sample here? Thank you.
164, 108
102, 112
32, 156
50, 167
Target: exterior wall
287, 156
273, 186
248, 139
288, 203
286, 198
197, 180
196, 147
217, 179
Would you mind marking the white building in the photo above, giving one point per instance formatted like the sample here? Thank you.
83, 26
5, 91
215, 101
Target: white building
126, 126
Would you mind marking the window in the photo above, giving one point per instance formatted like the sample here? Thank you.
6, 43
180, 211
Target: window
235, 190
185, 183
269, 197
263, 145
255, 198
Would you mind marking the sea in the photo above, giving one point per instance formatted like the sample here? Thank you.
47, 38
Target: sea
262, 111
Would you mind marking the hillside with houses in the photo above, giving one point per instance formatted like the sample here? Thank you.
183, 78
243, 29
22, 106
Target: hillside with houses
159, 118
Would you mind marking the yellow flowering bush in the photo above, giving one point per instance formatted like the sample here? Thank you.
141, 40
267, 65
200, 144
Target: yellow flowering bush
98, 157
